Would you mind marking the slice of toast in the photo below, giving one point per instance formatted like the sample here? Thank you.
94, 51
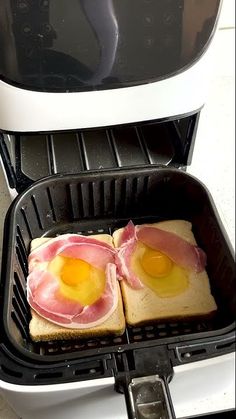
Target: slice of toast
42, 329
144, 305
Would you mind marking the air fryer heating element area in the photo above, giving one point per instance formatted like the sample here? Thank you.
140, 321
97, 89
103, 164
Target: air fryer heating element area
101, 202
29, 157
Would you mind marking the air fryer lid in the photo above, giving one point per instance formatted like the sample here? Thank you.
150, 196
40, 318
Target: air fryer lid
56, 45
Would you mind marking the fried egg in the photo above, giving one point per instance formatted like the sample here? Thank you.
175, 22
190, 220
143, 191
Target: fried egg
79, 280
158, 272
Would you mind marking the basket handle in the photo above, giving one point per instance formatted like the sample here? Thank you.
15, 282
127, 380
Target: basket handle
149, 398
144, 377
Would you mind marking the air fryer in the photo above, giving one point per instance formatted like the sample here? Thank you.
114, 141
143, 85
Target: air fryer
103, 133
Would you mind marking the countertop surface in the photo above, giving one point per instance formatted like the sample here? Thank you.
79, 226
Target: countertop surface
214, 152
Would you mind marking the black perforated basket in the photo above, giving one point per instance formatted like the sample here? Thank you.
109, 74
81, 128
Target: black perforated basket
97, 202
101, 202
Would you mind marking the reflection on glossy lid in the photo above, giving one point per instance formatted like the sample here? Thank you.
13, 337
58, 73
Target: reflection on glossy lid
79, 45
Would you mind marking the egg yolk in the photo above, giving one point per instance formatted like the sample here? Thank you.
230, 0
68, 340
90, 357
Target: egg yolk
78, 280
158, 272
156, 263
74, 271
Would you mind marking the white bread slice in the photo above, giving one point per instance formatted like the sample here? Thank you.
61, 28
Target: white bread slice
144, 305
44, 330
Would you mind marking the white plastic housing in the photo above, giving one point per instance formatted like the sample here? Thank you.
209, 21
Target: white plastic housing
25, 110
196, 388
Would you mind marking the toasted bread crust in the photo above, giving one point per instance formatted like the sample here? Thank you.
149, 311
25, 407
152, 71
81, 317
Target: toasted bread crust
44, 330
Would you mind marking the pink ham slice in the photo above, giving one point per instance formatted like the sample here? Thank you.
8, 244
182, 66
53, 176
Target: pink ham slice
44, 297
127, 245
43, 291
123, 259
128, 234
91, 250
179, 250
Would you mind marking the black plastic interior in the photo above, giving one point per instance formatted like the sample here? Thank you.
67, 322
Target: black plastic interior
103, 201
29, 157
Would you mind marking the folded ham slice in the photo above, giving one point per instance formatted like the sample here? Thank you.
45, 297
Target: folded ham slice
177, 249
76, 246
43, 289
127, 245
123, 260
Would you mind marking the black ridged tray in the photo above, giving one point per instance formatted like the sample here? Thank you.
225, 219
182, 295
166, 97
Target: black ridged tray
101, 202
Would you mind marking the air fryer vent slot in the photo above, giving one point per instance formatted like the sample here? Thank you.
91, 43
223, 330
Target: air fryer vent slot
93, 368
45, 376
195, 351
227, 345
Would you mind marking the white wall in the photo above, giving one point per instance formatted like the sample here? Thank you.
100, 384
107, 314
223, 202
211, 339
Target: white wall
227, 18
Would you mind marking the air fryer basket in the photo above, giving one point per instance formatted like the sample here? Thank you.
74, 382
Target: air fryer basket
102, 202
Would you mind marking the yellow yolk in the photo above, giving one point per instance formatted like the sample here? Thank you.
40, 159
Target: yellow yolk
156, 263
75, 271
158, 272
78, 280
